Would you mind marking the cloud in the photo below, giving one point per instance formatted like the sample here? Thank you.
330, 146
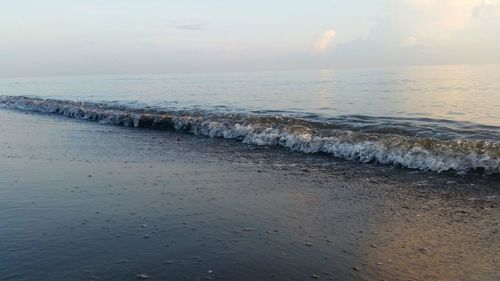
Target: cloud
435, 21
424, 32
324, 41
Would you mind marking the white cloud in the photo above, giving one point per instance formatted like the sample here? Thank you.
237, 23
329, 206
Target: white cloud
428, 32
324, 41
434, 22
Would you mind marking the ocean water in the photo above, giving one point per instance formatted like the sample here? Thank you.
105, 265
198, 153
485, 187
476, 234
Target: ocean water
436, 118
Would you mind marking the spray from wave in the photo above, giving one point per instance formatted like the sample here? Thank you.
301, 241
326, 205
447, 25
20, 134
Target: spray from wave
297, 134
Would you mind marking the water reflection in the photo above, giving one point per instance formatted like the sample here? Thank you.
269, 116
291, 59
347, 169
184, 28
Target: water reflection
434, 240
462, 93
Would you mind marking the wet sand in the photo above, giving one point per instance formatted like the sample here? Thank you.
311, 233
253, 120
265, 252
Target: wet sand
84, 201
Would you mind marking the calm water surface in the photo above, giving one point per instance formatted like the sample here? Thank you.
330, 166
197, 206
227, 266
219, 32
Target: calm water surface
459, 93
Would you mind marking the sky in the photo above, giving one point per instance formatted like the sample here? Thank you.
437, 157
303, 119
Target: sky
61, 37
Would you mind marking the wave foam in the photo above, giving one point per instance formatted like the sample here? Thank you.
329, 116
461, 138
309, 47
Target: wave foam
410, 152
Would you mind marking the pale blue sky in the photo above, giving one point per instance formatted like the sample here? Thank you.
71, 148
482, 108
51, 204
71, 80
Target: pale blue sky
62, 37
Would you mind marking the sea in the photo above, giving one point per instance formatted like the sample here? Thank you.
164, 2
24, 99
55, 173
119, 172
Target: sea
431, 118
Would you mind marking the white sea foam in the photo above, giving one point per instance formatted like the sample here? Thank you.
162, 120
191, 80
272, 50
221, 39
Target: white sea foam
410, 152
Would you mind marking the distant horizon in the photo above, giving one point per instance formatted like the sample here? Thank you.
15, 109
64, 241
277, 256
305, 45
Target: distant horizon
60, 38
251, 71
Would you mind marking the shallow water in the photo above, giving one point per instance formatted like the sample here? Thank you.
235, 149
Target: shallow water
427, 117
83, 201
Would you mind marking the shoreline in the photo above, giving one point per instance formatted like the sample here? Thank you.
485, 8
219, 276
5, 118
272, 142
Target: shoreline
84, 201
381, 146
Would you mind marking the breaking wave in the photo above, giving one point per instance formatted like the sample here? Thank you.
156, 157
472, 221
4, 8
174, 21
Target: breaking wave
390, 146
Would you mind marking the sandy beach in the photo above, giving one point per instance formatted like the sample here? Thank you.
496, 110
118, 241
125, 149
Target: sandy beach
85, 201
